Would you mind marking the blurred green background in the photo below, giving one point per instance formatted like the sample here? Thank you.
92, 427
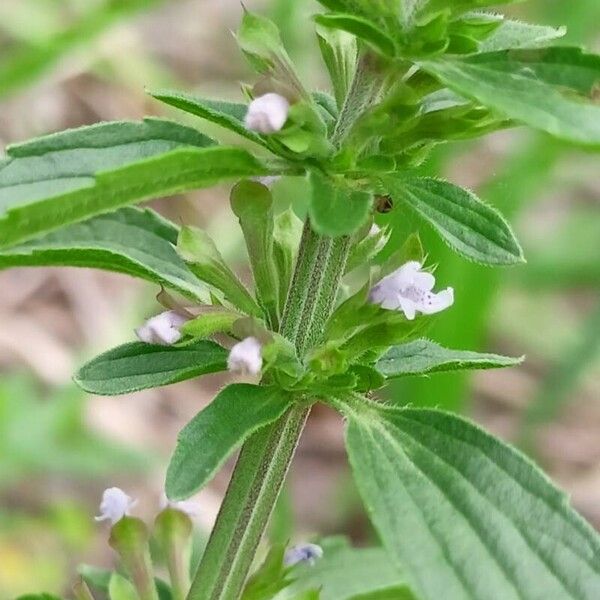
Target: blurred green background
65, 63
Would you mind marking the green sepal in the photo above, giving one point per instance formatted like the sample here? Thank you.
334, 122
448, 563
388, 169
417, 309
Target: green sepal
200, 253
208, 323
260, 41
305, 132
286, 240
367, 378
252, 203
271, 577
368, 248
173, 530
129, 537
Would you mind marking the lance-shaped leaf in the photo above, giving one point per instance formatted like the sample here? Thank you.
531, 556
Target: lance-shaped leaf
252, 203
362, 28
343, 573
139, 366
214, 433
516, 34
334, 209
197, 248
229, 115
424, 356
70, 176
132, 241
551, 89
465, 223
465, 515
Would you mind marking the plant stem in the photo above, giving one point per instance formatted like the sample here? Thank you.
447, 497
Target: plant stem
265, 458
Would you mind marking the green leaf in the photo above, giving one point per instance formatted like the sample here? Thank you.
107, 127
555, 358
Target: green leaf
335, 210
344, 572
465, 223
516, 34
252, 203
132, 241
70, 176
229, 115
462, 513
423, 356
339, 51
550, 89
362, 28
214, 433
199, 251
138, 366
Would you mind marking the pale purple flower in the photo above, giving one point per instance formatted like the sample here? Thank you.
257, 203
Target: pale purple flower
302, 553
115, 505
245, 357
267, 114
409, 289
162, 329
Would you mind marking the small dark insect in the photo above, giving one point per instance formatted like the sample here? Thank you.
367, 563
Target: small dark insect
383, 204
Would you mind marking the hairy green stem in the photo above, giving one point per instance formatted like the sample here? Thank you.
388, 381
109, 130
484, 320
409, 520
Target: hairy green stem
265, 458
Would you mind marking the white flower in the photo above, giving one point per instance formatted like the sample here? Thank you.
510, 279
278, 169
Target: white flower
190, 508
115, 505
245, 357
267, 114
409, 290
162, 329
302, 553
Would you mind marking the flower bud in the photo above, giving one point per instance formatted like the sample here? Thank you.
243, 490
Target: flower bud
162, 329
245, 357
302, 553
267, 114
115, 505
